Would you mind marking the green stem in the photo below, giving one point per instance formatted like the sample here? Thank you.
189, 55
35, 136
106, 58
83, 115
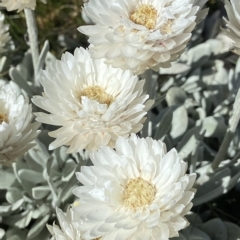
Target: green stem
33, 40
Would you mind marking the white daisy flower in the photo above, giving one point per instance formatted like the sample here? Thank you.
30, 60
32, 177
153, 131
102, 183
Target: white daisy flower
92, 102
137, 192
141, 34
233, 24
19, 5
16, 130
4, 34
67, 229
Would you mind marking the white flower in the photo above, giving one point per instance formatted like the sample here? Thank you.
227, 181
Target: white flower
16, 130
137, 192
233, 24
19, 5
67, 229
92, 102
4, 34
141, 34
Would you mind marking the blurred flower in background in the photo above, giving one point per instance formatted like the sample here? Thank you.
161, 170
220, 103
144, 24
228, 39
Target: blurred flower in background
19, 5
233, 23
16, 130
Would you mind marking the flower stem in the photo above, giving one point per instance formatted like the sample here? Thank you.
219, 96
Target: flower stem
33, 39
222, 150
233, 122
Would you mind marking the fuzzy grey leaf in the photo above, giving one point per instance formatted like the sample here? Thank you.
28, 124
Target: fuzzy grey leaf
37, 227
189, 142
2, 233
68, 170
17, 77
179, 122
21, 220
7, 178
41, 211
193, 233
66, 192
210, 187
17, 204
176, 68
198, 55
43, 55
213, 126
31, 176
13, 195
164, 125
157, 101
211, 226
233, 231
175, 96
5, 208
40, 192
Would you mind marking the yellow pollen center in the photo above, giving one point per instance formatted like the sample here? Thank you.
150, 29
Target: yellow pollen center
138, 192
145, 15
97, 93
3, 118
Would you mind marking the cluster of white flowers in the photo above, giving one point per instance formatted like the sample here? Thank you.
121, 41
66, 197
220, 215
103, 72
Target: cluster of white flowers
233, 24
135, 188
19, 5
4, 34
16, 130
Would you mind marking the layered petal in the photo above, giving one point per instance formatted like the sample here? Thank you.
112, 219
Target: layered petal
232, 29
141, 34
137, 191
16, 128
92, 102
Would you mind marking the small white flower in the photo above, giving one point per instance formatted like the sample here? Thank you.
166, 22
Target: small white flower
233, 24
16, 130
141, 34
92, 102
4, 34
137, 192
67, 229
19, 5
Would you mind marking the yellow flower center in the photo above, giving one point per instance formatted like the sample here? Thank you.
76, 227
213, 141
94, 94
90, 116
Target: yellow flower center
145, 15
3, 118
138, 192
97, 93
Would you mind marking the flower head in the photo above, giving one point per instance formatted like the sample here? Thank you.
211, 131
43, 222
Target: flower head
92, 102
16, 130
233, 24
67, 229
138, 191
141, 34
19, 5
4, 34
